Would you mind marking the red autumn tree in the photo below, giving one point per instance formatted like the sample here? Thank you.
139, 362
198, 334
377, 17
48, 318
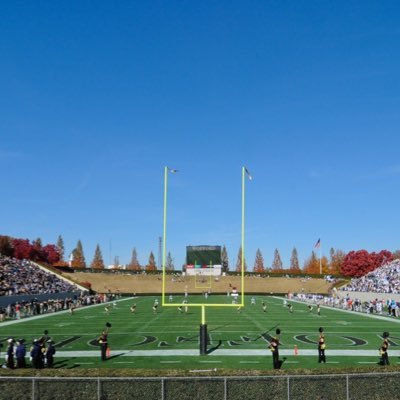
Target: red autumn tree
37, 253
383, 257
22, 249
51, 254
358, 263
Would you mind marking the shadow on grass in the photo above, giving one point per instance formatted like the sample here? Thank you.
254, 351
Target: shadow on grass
215, 347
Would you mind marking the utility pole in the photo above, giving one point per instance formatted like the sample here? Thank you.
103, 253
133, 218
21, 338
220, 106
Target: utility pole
159, 252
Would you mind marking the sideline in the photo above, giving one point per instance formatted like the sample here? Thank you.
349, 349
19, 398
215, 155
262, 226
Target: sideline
361, 314
52, 314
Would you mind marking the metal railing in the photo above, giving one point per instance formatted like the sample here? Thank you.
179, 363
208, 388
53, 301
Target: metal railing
288, 387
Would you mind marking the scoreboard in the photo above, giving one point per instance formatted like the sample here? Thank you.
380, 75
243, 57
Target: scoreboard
203, 257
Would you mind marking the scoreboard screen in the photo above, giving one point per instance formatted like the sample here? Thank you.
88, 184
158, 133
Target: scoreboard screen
203, 256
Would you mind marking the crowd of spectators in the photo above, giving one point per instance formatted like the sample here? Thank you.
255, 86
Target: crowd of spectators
25, 277
385, 279
34, 307
387, 307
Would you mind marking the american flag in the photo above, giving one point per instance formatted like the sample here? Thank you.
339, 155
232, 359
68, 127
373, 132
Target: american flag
248, 173
317, 244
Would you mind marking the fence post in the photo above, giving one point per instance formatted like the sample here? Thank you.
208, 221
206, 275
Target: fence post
33, 389
288, 388
225, 389
347, 386
98, 389
162, 388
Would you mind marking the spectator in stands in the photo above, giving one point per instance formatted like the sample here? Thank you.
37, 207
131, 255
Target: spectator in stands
385, 279
25, 277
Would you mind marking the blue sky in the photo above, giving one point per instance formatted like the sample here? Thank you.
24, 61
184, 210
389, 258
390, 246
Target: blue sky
97, 97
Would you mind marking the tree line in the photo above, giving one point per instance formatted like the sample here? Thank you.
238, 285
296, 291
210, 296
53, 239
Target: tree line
351, 264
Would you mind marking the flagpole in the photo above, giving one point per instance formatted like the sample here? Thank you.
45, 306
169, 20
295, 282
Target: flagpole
320, 261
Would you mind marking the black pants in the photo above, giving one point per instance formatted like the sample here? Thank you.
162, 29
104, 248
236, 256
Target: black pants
21, 362
275, 359
37, 362
321, 355
50, 361
103, 351
385, 359
10, 362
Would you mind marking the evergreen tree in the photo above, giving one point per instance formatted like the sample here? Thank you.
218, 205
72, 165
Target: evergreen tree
277, 263
151, 265
169, 265
60, 247
134, 264
97, 262
224, 260
259, 262
294, 261
38, 243
239, 261
78, 258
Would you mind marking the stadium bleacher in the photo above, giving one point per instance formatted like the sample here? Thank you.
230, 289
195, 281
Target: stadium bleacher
385, 279
24, 277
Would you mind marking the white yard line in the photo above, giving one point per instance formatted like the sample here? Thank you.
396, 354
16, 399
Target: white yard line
213, 362
224, 353
251, 362
170, 362
124, 362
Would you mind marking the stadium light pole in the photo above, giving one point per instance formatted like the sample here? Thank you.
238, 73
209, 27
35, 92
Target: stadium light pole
245, 172
166, 171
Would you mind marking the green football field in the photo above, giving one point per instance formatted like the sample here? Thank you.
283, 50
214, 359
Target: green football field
170, 339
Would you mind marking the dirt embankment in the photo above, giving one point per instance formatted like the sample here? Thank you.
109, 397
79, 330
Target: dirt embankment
142, 284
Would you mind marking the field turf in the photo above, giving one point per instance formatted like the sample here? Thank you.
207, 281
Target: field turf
170, 339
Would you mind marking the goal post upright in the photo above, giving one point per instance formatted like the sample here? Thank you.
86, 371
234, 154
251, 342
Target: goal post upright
166, 171
203, 325
164, 234
243, 207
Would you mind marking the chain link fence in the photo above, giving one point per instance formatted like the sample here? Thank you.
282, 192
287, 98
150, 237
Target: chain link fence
295, 387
